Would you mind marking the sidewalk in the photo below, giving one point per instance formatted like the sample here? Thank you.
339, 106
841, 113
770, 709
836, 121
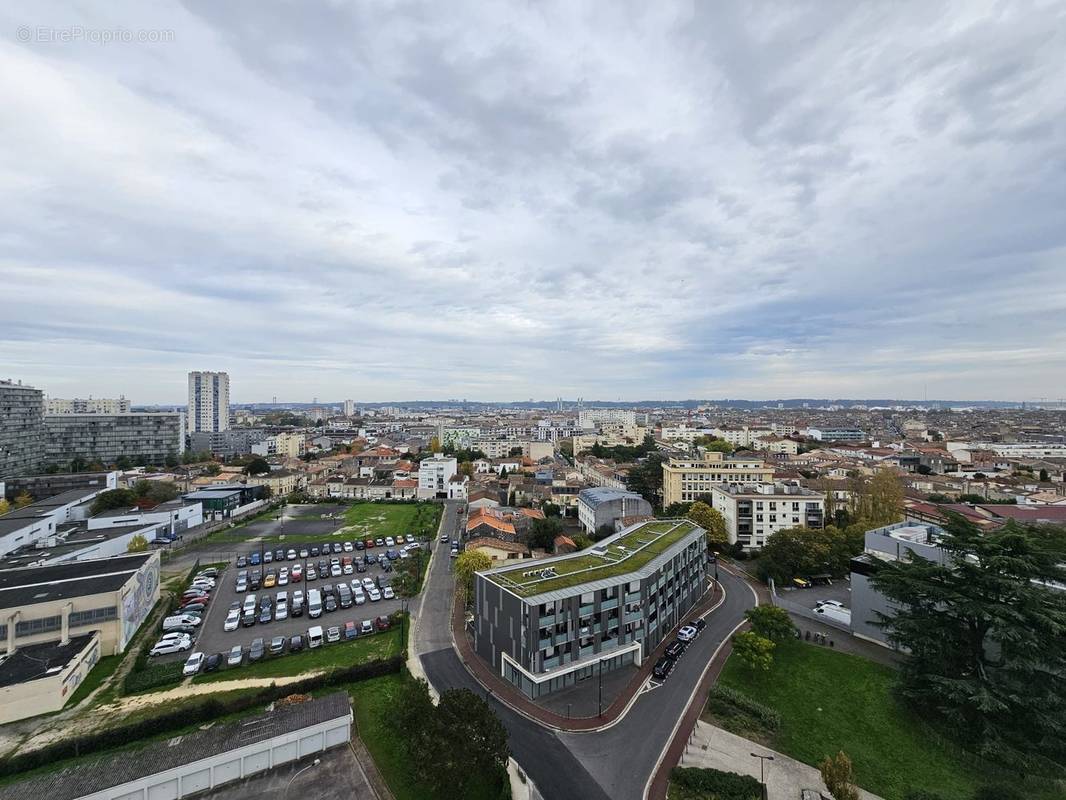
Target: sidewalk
506, 693
714, 748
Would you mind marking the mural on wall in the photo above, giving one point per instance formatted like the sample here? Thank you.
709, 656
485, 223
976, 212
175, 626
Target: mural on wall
139, 600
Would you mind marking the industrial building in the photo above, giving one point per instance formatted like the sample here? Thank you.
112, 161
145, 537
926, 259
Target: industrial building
601, 506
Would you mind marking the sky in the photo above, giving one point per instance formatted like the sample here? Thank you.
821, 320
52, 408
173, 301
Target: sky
498, 201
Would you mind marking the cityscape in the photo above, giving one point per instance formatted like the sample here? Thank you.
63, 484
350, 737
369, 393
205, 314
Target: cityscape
533, 402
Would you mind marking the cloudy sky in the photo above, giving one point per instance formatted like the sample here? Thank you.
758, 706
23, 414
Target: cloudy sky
513, 200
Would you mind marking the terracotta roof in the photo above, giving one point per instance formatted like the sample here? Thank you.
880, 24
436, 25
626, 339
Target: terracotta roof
405, 483
532, 513
484, 518
496, 544
564, 541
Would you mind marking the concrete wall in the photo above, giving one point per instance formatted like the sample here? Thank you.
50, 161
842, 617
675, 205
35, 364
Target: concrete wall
45, 695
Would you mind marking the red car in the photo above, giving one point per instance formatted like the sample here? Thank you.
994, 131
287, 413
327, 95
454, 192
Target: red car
297, 574
382, 623
369, 543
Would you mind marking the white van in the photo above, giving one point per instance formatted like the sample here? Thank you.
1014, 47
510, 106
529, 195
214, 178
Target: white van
180, 621
314, 636
835, 613
314, 603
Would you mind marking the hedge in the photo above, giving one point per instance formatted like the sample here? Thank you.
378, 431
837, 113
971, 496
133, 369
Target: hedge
723, 695
717, 784
152, 677
209, 710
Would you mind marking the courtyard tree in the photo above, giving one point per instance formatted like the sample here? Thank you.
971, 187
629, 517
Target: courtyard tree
771, 622
138, 544
839, 777
113, 499
5, 506
985, 633
469, 562
754, 651
542, 533
257, 466
712, 521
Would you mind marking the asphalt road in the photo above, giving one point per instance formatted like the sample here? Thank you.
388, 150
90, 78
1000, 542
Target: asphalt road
432, 614
615, 763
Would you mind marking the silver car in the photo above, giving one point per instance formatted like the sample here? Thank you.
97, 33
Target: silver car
235, 657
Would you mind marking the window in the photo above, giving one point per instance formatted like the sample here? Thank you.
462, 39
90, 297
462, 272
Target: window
32, 627
92, 616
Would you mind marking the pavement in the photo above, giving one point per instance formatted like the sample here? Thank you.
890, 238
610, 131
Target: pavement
714, 748
338, 776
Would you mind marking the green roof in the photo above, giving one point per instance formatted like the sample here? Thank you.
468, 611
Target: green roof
606, 559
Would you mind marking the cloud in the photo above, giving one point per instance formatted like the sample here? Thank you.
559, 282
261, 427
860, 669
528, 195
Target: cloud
420, 201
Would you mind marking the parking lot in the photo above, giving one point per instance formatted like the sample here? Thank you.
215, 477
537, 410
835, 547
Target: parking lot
840, 591
211, 636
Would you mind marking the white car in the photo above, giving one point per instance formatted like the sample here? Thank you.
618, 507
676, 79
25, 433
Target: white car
168, 646
404, 554
233, 620
390, 542
368, 583
348, 547
359, 596
373, 594
833, 603
193, 664
348, 569
298, 596
236, 655
687, 633
454, 553
281, 612
335, 571
180, 621
283, 577
206, 583
388, 593
166, 637
414, 546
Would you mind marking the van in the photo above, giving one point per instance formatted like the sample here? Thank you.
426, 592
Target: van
314, 636
314, 604
835, 613
345, 595
180, 621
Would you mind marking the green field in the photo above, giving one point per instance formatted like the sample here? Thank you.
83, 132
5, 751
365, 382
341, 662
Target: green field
831, 701
373, 704
364, 521
327, 657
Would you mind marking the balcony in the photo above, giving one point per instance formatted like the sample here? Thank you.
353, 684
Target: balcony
610, 603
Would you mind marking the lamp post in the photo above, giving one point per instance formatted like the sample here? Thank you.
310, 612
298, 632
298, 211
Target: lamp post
601, 686
762, 770
299, 772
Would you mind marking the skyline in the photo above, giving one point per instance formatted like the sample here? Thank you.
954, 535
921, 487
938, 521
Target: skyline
461, 201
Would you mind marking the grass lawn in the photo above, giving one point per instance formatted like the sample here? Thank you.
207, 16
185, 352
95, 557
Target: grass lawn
365, 521
831, 701
326, 657
103, 670
373, 705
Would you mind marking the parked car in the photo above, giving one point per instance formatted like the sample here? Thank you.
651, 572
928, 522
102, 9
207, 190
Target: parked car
348, 547
701, 623
242, 561
674, 649
193, 664
373, 594
254, 559
399, 539
233, 619
168, 646
296, 644
212, 662
314, 637
413, 546
360, 566
382, 623
367, 627
337, 547
390, 542
333, 634
193, 608
388, 594
303, 552
255, 652
281, 612
297, 609
180, 621
687, 633
662, 668
358, 595
312, 575
297, 574
270, 581
241, 586
265, 615
371, 558
380, 542
330, 603
268, 557
369, 543
277, 645
235, 657
350, 631
314, 552
248, 619
360, 545
291, 555
454, 553
445, 538
279, 554
169, 635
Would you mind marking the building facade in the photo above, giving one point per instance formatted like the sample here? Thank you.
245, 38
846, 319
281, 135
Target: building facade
434, 475
147, 438
208, 401
753, 512
548, 624
686, 478
594, 417
22, 434
837, 434
600, 506
90, 405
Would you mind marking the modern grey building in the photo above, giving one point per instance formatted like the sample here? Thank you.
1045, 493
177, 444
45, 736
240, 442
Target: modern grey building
890, 543
227, 443
21, 429
147, 438
601, 506
548, 624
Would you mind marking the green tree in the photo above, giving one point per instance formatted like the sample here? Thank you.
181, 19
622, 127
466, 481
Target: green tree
542, 533
605, 530
123, 462
171, 460
113, 499
771, 622
986, 636
551, 510
78, 464
408, 575
880, 499
646, 479
712, 521
839, 777
477, 743
4, 506
212, 469
514, 451
469, 562
581, 541
257, 466
414, 714
677, 510
156, 491
754, 651
1043, 476
138, 544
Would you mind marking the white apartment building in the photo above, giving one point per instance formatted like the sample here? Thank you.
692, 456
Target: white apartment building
208, 402
962, 450
349, 408
755, 511
593, 417
91, 405
682, 433
741, 436
292, 445
434, 475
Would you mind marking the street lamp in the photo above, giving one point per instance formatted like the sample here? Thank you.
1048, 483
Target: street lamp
762, 770
299, 772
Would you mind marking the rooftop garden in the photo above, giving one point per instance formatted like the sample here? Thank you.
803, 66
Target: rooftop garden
606, 559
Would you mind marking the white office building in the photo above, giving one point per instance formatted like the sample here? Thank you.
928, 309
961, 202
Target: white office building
753, 512
208, 402
594, 417
434, 475
88, 405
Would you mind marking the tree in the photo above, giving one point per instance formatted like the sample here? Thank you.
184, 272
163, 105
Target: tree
138, 544
677, 510
986, 636
257, 466
754, 651
924, 469
78, 464
413, 713
408, 575
469, 562
713, 443
466, 468
839, 777
4, 506
477, 743
880, 500
542, 533
1043, 476
551, 510
771, 622
112, 499
646, 479
212, 469
515, 451
712, 521
605, 530
434, 444
23, 499
155, 492
581, 541
123, 462
171, 460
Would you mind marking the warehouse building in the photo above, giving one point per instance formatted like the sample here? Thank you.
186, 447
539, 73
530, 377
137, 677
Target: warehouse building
601, 506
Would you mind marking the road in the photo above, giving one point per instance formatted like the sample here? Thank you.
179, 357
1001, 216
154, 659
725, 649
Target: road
615, 763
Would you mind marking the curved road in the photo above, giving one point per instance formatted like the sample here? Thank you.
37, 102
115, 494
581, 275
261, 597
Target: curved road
614, 764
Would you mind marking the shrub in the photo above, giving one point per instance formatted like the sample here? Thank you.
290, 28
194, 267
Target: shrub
152, 677
729, 702
717, 784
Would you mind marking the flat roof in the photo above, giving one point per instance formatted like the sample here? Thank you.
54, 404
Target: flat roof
622, 554
29, 585
34, 661
116, 769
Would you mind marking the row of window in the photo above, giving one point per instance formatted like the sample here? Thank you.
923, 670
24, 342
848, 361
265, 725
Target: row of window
78, 619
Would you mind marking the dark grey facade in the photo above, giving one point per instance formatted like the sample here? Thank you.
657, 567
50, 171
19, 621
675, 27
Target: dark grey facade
146, 438
545, 642
21, 429
227, 443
